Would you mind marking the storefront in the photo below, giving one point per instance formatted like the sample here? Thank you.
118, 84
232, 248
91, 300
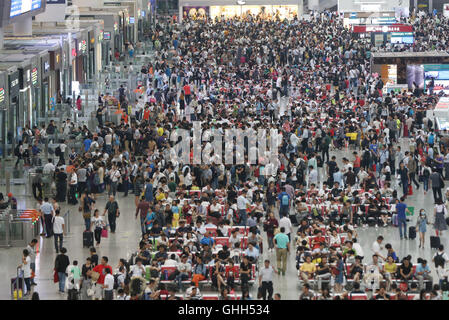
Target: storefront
3, 113
46, 85
26, 95
91, 54
55, 73
80, 63
12, 124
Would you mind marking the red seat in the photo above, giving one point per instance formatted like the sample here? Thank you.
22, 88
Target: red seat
167, 271
210, 297
224, 241
358, 296
213, 231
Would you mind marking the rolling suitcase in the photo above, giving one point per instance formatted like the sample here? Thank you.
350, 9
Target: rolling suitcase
88, 239
434, 242
412, 233
17, 285
293, 220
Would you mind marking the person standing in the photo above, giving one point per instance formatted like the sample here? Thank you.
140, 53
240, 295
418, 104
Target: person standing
404, 178
86, 208
242, 205
108, 285
282, 247
266, 280
47, 212
436, 180
286, 223
61, 263
401, 208
26, 263
113, 212
101, 269
269, 225
421, 227
440, 211
98, 223
32, 253
142, 208
58, 230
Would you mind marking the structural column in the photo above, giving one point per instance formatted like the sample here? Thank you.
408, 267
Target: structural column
23, 28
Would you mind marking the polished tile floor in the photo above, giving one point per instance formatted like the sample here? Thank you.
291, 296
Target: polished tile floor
125, 241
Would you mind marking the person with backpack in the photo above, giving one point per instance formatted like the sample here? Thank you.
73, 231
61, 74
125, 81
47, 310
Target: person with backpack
284, 205
440, 259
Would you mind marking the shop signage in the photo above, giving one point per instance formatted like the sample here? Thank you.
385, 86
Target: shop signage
131, 20
82, 46
46, 66
115, 26
385, 29
14, 83
106, 35
100, 36
14, 86
28, 74
34, 76
73, 52
2, 95
55, 1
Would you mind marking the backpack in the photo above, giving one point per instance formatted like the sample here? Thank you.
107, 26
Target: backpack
116, 281
58, 151
96, 179
284, 200
439, 260
17, 150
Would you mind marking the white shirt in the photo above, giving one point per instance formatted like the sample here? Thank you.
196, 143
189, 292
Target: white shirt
27, 268
376, 247
109, 282
137, 271
266, 274
286, 223
58, 223
242, 202
49, 168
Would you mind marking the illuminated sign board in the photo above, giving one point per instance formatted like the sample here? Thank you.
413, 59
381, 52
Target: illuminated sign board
19, 7
384, 28
34, 76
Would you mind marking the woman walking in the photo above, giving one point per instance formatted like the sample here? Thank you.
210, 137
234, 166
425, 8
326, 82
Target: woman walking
421, 227
269, 226
439, 212
61, 263
98, 223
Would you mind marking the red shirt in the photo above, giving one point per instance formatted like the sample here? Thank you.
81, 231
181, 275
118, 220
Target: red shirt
100, 269
186, 89
357, 162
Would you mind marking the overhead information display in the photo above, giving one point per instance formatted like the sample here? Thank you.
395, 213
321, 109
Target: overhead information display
19, 7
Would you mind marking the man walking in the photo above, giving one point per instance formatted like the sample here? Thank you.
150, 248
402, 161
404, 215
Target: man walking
401, 208
266, 280
436, 180
47, 212
113, 212
58, 230
282, 247
32, 254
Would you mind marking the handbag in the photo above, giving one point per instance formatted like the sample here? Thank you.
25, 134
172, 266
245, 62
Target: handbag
104, 233
55, 276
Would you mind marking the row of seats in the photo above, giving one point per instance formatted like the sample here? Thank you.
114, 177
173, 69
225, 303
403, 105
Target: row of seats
166, 271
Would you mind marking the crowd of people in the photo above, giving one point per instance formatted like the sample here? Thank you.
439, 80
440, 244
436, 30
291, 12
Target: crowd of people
310, 80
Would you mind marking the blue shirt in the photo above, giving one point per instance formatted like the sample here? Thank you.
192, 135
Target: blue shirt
281, 195
281, 240
420, 268
400, 207
87, 144
149, 192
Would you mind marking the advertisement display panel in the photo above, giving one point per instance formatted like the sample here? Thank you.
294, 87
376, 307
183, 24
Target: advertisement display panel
19, 7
